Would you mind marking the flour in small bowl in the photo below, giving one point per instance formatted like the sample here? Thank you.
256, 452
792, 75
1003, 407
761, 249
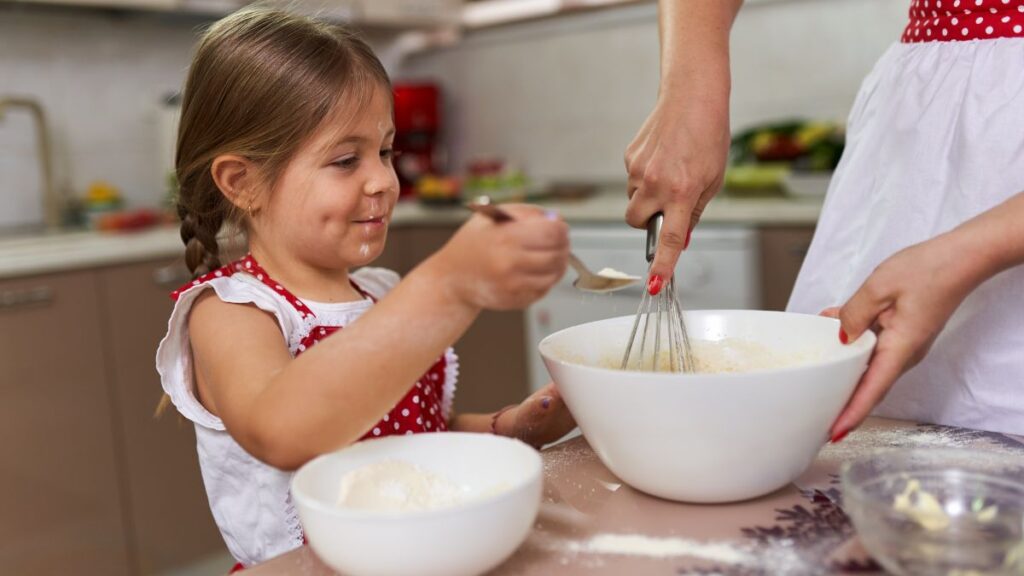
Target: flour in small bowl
398, 486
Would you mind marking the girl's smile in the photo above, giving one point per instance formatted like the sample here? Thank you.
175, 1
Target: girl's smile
373, 222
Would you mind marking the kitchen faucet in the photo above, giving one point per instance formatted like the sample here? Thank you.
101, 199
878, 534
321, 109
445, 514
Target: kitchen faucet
51, 202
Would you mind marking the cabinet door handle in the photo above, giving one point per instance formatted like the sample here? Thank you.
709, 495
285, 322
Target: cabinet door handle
25, 298
171, 276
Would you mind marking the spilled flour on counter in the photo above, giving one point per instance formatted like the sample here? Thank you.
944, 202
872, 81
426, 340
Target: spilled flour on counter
639, 545
397, 486
780, 557
869, 440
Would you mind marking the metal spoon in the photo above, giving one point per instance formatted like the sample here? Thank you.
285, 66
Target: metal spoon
586, 280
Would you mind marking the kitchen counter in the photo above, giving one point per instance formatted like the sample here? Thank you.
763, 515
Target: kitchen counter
590, 523
55, 252
609, 206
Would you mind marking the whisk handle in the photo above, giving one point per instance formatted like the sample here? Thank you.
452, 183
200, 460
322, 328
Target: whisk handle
653, 234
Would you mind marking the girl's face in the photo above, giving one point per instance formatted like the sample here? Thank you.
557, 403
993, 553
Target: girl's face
331, 206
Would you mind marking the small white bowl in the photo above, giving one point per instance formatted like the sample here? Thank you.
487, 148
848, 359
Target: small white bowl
469, 538
709, 437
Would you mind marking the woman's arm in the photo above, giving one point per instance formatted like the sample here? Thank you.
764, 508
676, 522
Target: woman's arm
910, 296
676, 161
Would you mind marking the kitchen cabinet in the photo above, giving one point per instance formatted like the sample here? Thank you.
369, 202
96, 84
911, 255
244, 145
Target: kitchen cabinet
169, 519
123, 4
62, 478
484, 13
381, 14
92, 482
783, 249
422, 13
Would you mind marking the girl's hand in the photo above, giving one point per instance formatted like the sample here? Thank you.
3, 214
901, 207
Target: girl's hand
540, 419
505, 265
907, 301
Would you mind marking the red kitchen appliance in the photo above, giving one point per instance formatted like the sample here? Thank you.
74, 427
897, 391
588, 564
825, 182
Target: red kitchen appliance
417, 132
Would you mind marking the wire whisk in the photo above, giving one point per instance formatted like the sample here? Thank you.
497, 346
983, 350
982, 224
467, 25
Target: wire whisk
664, 343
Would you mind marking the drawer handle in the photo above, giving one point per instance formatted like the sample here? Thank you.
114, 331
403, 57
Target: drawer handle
15, 299
171, 276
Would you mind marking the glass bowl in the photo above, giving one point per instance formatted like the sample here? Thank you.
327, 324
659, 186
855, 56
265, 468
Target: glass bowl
950, 512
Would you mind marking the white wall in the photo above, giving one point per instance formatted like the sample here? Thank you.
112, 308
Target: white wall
100, 78
562, 96
565, 96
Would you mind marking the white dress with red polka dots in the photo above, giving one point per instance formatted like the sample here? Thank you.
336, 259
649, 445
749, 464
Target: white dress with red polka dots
250, 500
935, 137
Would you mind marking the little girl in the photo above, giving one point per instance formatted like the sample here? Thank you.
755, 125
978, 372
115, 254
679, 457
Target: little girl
286, 132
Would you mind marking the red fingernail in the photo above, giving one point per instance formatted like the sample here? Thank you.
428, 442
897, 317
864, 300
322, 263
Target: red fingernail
687, 243
843, 337
654, 285
839, 437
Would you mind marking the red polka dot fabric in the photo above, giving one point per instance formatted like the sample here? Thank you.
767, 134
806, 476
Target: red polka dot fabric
961, 20
418, 411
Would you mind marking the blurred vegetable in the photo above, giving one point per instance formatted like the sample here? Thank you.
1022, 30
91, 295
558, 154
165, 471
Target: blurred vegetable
803, 145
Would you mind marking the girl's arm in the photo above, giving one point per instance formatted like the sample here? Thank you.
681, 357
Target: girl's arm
910, 296
285, 411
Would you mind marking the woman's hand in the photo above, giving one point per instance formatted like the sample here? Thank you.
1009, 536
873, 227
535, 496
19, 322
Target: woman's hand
907, 301
504, 265
676, 161
540, 419
675, 166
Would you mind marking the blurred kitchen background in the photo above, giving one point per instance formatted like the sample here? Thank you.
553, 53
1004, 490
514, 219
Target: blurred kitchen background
517, 99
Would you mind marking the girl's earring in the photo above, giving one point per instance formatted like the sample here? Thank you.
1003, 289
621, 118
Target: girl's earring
248, 210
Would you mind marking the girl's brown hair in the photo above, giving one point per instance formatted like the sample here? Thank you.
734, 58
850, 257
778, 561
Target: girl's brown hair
261, 82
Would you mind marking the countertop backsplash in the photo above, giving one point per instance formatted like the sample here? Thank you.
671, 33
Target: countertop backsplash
101, 78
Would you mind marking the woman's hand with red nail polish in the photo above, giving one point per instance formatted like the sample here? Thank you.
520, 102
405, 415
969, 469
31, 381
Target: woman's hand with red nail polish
907, 301
832, 312
676, 164
654, 284
540, 419
838, 437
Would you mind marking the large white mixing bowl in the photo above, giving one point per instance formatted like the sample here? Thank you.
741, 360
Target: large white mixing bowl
467, 539
709, 437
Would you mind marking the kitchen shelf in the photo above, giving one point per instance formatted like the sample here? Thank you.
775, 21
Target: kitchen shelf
374, 15
490, 13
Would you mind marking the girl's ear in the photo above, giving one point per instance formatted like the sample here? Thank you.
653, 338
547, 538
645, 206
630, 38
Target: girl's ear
237, 178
